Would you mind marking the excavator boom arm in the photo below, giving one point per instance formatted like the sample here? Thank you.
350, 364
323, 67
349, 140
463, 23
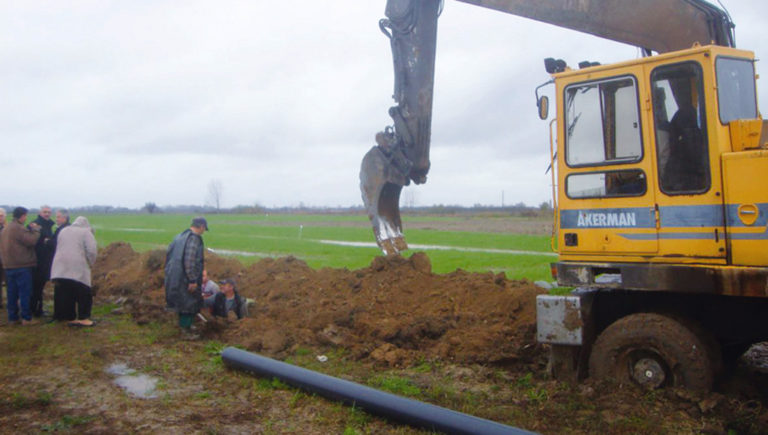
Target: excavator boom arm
658, 25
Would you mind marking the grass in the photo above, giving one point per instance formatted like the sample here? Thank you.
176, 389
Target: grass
395, 385
66, 423
259, 236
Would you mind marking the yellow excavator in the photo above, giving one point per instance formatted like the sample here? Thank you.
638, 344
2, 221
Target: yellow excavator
658, 171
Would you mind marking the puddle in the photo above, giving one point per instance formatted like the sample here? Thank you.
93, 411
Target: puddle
141, 386
138, 385
120, 369
241, 253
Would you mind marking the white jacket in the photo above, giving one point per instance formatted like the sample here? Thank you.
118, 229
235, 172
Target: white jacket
75, 252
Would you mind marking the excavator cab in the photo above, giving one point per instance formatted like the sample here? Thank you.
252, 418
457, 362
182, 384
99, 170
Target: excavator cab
642, 148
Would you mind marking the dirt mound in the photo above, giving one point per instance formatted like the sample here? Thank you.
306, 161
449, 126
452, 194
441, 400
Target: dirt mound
394, 312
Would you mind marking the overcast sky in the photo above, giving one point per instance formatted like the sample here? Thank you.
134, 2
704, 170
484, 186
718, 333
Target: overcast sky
126, 102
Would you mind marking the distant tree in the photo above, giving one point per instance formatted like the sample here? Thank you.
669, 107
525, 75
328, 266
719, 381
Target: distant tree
151, 207
215, 190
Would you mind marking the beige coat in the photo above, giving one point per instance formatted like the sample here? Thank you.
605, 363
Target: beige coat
75, 252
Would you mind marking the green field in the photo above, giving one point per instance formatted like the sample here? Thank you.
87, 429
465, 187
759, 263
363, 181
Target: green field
317, 239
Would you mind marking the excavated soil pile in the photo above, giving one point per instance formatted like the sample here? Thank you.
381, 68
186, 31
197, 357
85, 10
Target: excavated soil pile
393, 312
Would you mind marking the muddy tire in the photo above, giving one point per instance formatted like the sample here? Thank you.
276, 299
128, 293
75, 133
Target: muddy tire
654, 351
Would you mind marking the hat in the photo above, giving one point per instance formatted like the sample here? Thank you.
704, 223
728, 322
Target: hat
229, 281
200, 222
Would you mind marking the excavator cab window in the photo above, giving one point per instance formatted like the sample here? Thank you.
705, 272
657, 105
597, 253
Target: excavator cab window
736, 89
609, 184
602, 121
681, 133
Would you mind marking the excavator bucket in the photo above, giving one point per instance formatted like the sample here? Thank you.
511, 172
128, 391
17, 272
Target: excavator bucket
382, 201
401, 154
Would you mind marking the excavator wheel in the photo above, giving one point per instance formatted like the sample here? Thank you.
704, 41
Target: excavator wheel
654, 351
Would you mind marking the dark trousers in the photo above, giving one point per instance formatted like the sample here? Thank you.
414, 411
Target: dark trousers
2, 281
19, 286
39, 279
76, 300
64, 299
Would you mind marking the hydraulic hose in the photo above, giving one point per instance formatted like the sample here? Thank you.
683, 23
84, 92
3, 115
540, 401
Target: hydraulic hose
377, 402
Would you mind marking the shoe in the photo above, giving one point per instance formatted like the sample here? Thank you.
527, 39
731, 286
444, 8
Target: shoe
25, 322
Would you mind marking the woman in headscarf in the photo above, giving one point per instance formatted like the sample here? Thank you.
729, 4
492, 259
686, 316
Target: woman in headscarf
71, 270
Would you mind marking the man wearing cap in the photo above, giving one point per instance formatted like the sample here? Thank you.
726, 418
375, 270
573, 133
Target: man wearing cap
228, 300
184, 273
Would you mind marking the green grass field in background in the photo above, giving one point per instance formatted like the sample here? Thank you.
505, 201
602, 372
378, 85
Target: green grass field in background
300, 235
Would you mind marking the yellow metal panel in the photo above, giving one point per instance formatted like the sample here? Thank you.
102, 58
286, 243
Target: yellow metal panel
693, 226
745, 177
745, 133
610, 225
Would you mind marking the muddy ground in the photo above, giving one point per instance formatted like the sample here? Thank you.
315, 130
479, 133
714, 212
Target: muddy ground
463, 340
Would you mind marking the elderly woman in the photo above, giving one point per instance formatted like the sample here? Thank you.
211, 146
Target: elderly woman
71, 270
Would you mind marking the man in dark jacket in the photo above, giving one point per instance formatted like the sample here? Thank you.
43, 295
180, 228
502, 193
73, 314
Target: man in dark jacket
184, 263
44, 253
17, 248
228, 300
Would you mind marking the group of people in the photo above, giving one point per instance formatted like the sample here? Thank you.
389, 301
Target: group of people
32, 255
187, 287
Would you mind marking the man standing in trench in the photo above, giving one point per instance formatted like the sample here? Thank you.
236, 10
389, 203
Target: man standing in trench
184, 264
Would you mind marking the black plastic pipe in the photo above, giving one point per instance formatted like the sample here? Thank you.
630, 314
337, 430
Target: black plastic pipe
377, 402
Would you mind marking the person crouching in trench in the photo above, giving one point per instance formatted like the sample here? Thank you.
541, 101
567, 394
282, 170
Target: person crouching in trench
228, 300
